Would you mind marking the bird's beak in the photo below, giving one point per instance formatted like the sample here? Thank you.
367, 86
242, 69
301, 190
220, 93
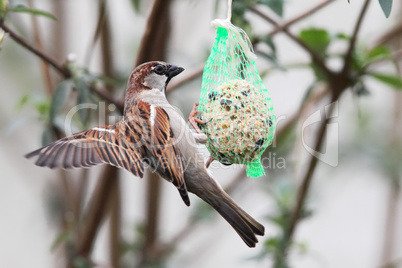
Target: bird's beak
174, 70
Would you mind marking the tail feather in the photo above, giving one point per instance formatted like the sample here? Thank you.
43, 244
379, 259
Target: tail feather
240, 224
257, 227
184, 196
246, 227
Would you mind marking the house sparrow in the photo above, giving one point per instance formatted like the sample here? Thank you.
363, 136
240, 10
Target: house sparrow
151, 132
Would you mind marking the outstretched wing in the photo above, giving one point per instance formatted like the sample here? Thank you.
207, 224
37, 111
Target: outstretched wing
159, 142
99, 145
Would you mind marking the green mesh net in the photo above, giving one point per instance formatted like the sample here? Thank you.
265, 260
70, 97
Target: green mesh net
235, 103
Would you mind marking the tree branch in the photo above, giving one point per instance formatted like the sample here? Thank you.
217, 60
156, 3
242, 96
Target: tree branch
352, 42
153, 47
314, 56
61, 69
104, 30
96, 211
153, 42
389, 36
115, 226
395, 189
106, 96
98, 30
44, 67
185, 79
303, 15
303, 190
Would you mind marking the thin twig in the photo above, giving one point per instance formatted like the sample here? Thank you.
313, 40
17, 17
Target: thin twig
306, 181
338, 84
352, 43
185, 79
98, 30
104, 30
107, 193
153, 47
61, 69
115, 226
44, 67
392, 208
156, 32
149, 251
105, 95
395, 57
96, 211
314, 56
303, 190
81, 192
301, 16
390, 35
395, 193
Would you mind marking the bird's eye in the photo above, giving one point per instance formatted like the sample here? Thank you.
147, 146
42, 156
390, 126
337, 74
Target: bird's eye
159, 69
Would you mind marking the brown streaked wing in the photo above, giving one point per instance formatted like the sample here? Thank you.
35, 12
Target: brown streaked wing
158, 139
99, 145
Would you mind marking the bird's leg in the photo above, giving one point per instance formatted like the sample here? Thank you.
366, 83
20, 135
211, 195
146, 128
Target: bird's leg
200, 137
193, 121
211, 159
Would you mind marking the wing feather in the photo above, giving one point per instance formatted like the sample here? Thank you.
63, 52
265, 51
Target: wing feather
158, 139
100, 145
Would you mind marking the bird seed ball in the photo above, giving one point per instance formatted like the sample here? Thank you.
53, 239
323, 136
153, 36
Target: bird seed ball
240, 122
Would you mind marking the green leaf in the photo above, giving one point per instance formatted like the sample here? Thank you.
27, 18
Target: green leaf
301, 246
341, 36
318, 73
275, 5
3, 8
24, 9
359, 60
137, 5
377, 52
317, 39
82, 98
23, 101
271, 244
43, 108
59, 98
61, 237
391, 80
386, 6
239, 9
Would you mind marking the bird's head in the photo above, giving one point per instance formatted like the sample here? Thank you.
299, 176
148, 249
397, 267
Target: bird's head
154, 75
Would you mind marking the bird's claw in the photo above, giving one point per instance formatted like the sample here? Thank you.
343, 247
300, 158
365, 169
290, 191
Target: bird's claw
194, 121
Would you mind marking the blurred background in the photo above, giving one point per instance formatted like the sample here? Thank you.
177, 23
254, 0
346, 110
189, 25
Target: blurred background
338, 209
